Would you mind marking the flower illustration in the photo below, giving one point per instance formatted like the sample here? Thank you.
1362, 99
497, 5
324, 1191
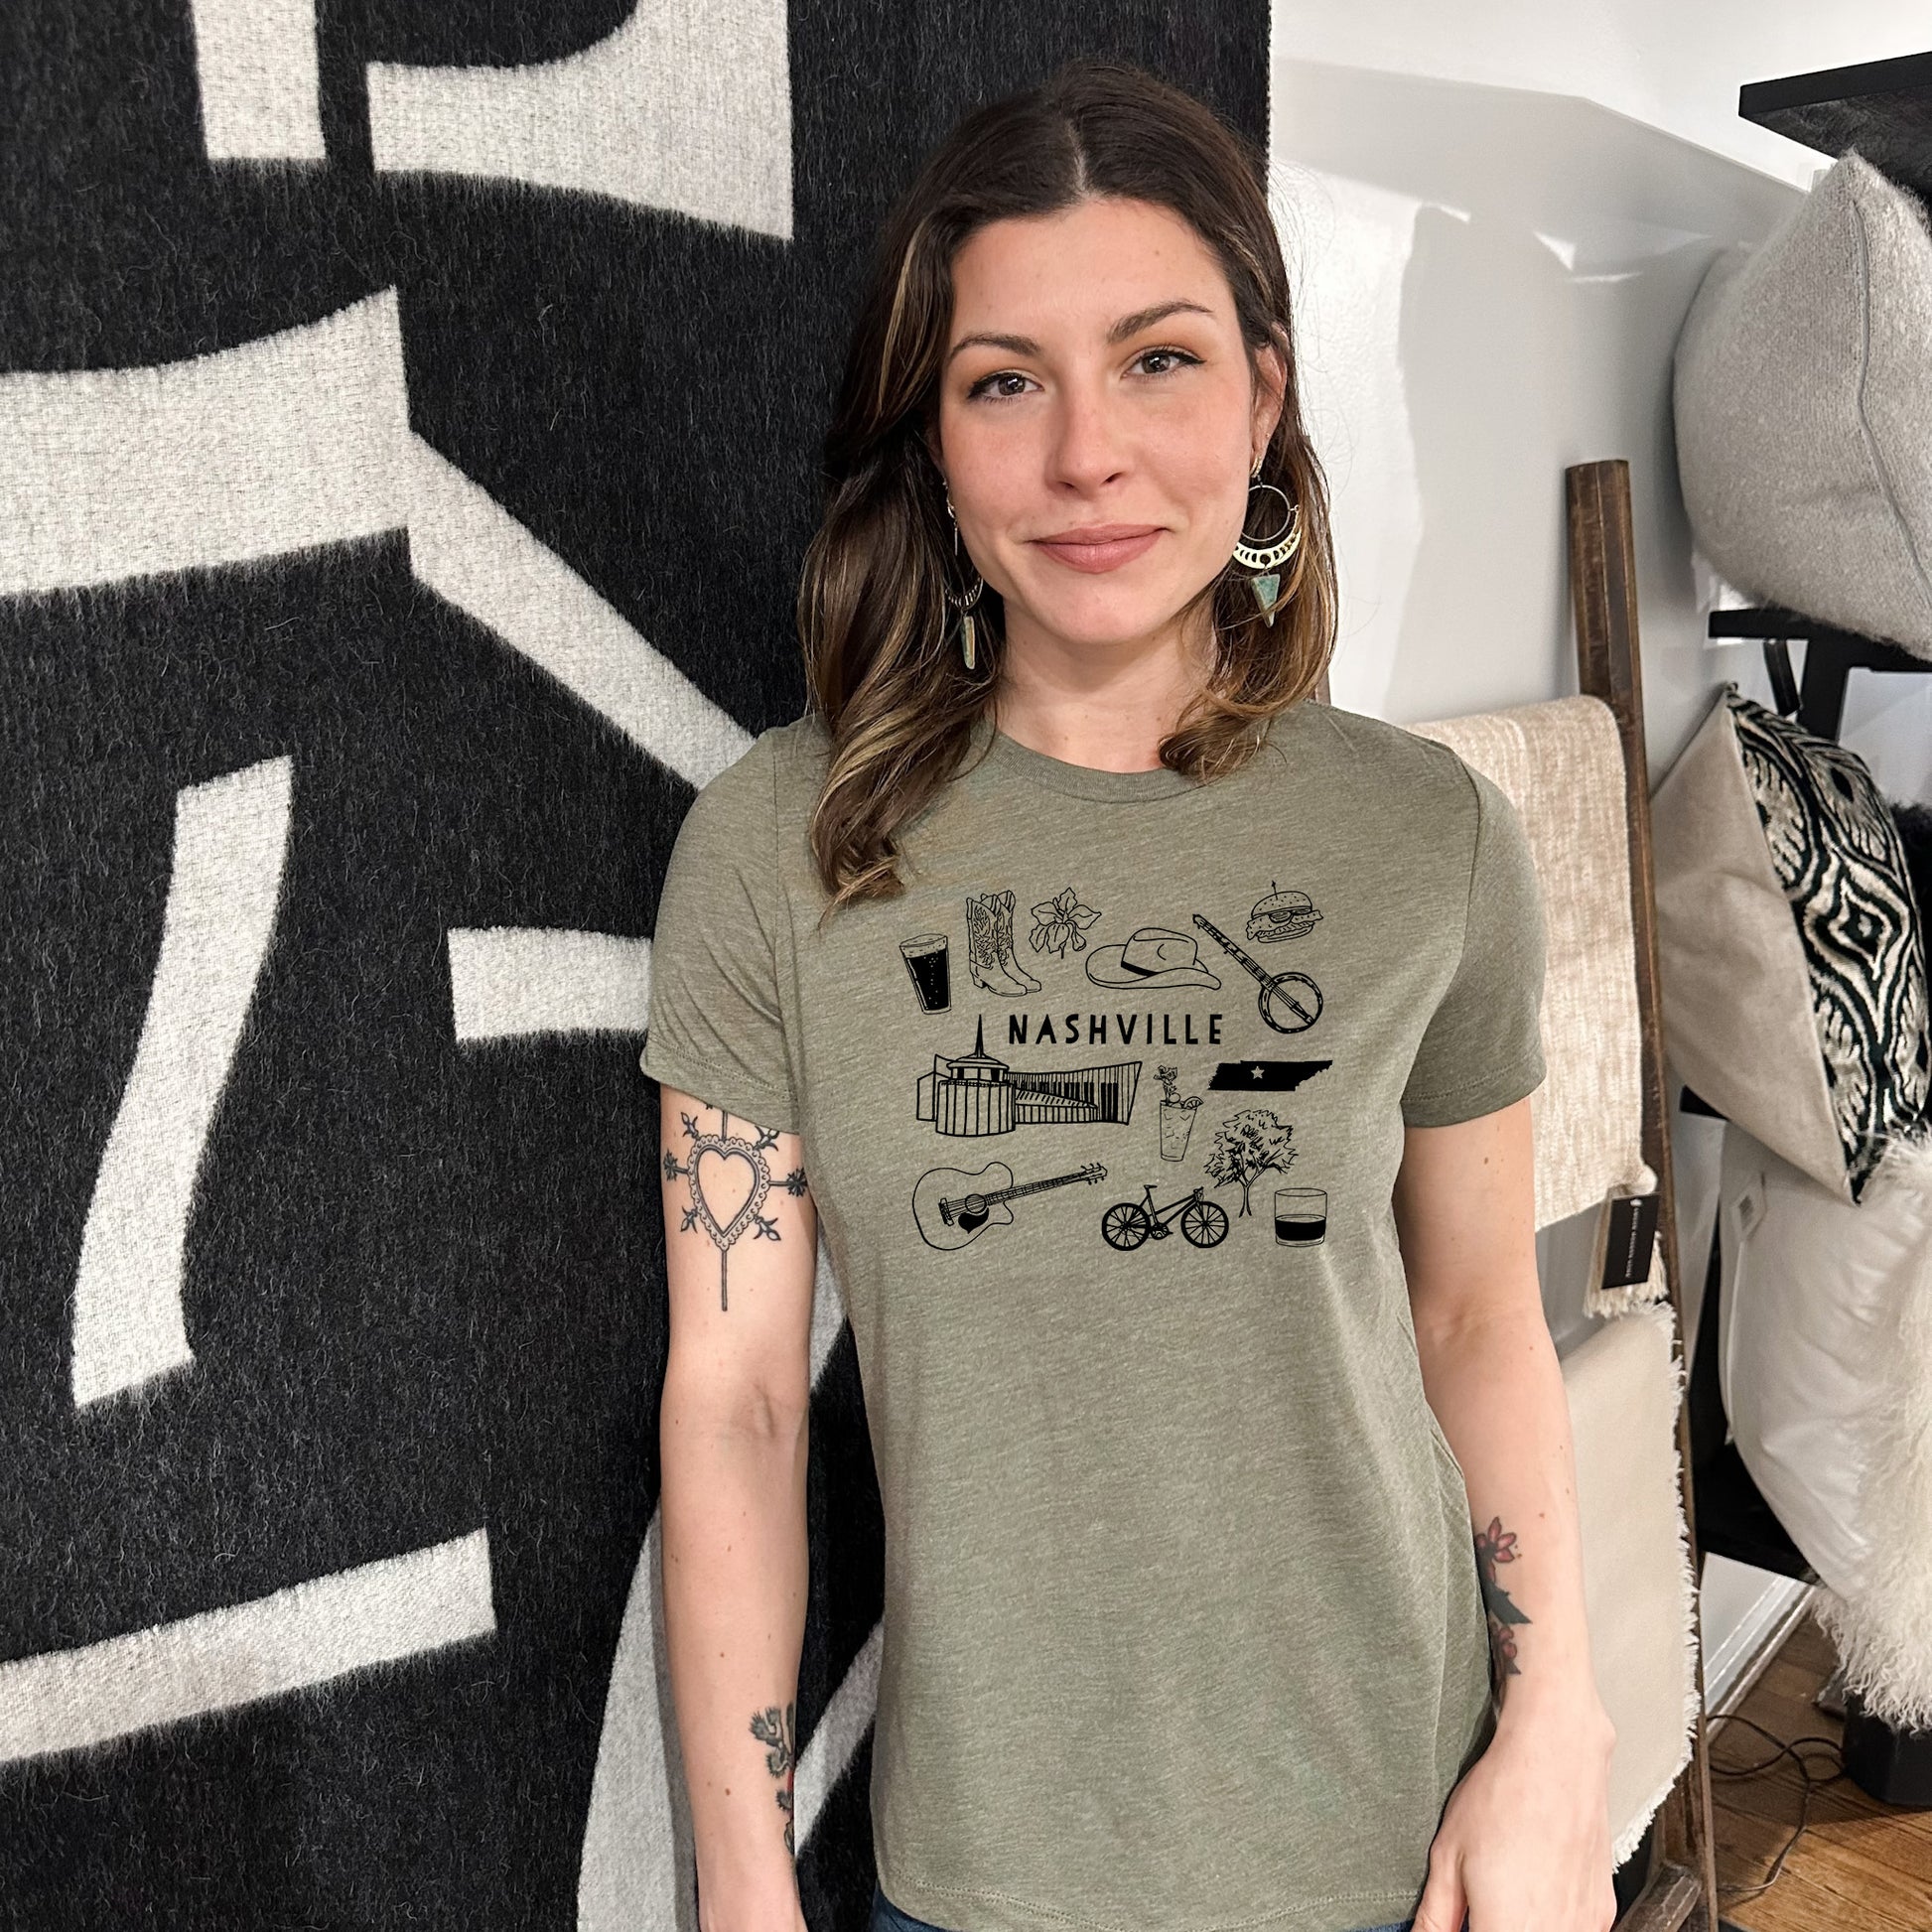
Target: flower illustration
1495, 1545
1059, 923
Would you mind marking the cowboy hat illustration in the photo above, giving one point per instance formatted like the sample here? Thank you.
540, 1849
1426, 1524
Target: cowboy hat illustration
1152, 956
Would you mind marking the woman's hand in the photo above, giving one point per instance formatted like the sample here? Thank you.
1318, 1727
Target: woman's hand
1524, 1845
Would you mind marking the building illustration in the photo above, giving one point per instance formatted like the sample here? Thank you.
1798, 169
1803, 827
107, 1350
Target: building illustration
975, 1093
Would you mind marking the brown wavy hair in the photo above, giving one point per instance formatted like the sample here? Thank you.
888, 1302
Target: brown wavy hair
882, 667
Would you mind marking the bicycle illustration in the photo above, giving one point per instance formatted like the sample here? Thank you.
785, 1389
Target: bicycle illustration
1128, 1223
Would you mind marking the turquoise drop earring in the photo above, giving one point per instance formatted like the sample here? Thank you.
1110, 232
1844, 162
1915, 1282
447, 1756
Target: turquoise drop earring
1265, 556
963, 603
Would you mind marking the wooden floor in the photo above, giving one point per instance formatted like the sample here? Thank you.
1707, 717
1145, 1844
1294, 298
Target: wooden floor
1861, 1867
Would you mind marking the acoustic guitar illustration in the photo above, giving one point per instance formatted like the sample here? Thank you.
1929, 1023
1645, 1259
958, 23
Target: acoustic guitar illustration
952, 1207
1291, 1003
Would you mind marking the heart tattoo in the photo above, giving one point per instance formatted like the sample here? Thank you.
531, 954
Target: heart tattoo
728, 1146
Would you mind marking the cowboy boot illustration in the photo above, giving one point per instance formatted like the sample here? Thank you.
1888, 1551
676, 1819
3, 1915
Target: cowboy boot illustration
1002, 933
983, 952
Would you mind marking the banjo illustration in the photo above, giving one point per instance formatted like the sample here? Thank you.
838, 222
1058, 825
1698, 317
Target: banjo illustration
1291, 1003
951, 1205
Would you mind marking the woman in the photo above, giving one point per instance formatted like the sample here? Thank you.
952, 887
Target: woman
1153, 1044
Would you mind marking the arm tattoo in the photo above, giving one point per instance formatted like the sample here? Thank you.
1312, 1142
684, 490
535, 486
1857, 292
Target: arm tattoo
1494, 1547
769, 1728
729, 1146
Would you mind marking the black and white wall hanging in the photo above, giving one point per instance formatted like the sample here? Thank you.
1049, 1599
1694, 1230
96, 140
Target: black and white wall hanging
408, 437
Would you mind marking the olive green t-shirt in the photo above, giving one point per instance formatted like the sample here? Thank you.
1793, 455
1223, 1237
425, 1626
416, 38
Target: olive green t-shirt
1182, 1623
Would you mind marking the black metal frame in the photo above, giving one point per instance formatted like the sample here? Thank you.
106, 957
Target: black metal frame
1831, 656
1883, 108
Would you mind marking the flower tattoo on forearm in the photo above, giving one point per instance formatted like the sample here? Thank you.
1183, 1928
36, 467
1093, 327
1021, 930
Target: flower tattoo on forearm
727, 1145
770, 1728
1494, 1546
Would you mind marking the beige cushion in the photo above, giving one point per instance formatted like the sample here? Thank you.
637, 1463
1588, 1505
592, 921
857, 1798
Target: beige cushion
1804, 410
1737, 1010
1753, 1020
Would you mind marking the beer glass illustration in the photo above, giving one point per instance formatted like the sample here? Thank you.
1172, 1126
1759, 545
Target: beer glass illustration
1301, 1216
930, 962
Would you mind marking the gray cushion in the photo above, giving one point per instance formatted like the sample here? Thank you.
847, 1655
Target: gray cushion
1804, 411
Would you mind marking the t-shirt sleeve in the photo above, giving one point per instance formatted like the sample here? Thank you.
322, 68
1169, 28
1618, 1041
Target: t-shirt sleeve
716, 1027
1483, 1047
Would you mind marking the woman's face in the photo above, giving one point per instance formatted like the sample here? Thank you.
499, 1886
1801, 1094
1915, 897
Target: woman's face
1098, 419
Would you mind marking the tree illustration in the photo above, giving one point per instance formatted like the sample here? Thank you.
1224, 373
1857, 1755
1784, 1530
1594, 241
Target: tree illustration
1246, 1145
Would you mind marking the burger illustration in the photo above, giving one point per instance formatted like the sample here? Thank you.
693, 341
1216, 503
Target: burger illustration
1282, 915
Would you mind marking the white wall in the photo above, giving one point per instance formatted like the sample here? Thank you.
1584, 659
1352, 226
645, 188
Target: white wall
1492, 282
1496, 217
1669, 64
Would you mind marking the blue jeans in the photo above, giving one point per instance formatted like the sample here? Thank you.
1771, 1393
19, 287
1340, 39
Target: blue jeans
886, 1917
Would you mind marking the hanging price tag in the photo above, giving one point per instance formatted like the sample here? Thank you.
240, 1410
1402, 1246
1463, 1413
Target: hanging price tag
1629, 1236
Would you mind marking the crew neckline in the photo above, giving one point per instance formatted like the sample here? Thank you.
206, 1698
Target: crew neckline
1007, 755
1077, 780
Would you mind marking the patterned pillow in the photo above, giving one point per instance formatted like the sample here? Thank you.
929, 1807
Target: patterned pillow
1790, 942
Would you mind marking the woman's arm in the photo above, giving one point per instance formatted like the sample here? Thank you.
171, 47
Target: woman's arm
733, 1430
1525, 1839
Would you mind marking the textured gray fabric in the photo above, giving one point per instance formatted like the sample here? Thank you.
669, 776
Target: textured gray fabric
1183, 1620
1804, 411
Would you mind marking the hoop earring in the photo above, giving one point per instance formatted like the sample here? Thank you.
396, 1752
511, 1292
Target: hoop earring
1263, 557
964, 602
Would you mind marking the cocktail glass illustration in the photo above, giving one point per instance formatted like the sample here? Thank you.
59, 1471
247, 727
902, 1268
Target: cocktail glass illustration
1177, 1124
1176, 1115
929, 961
1301, 1216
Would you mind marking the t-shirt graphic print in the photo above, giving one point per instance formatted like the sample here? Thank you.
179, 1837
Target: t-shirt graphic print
1101, 1117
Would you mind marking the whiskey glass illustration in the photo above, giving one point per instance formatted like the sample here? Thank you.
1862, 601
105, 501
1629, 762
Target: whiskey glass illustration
929, 961
1301, 1216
